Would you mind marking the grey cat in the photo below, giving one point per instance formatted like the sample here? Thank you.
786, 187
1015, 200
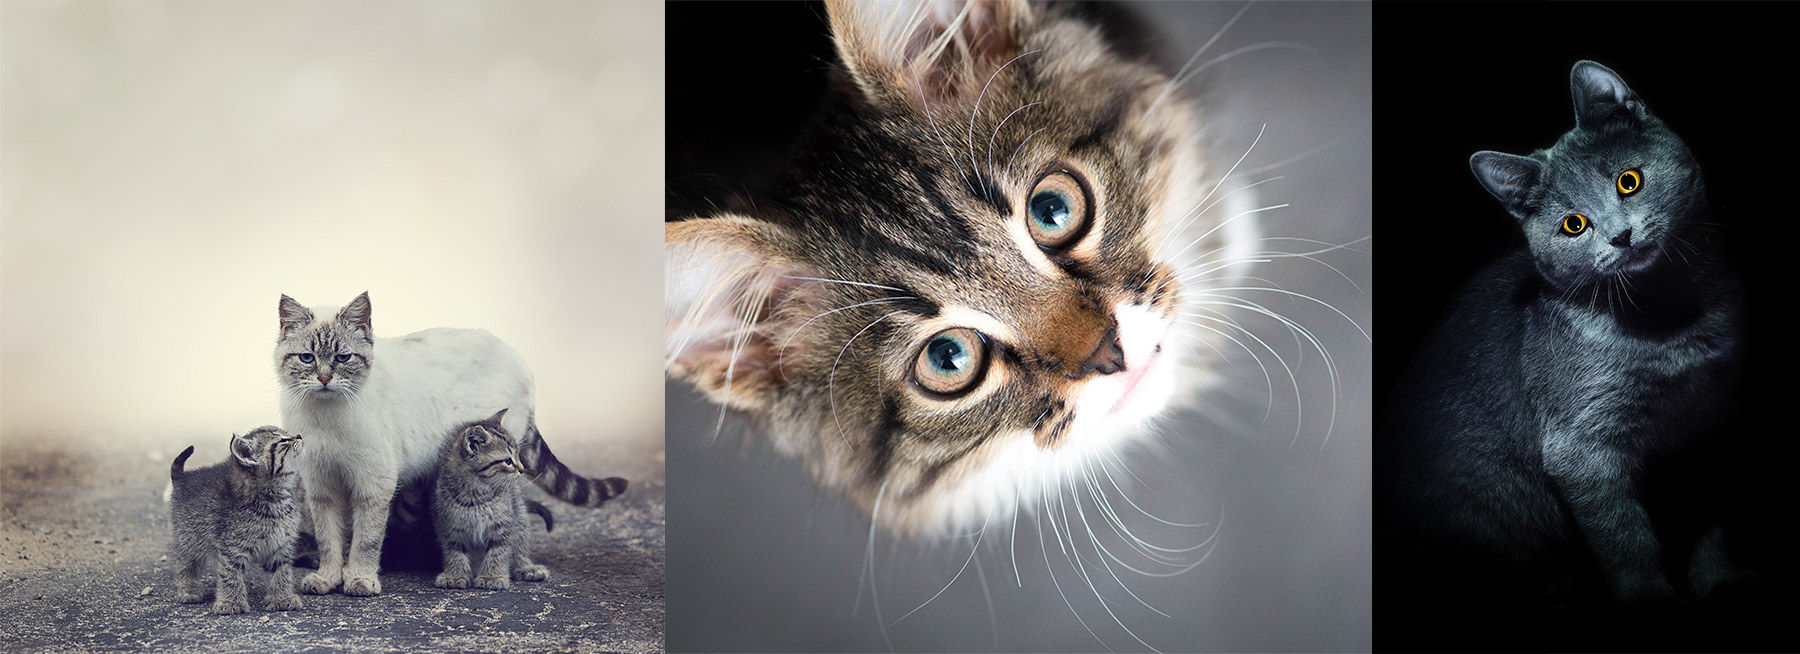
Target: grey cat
1569, 376
478, 505
230, 516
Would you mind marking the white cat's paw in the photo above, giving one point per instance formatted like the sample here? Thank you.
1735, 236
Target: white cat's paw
319, 584
227, 607
362, 586
493, 582
449, 580
288, 602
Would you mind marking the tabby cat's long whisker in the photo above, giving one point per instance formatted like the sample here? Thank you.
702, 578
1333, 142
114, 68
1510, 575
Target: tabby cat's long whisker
1216, 185
1044, 499
1101, 554
1198, 210
1268, 379
965, 566
1171, 85
844, 281
831, 379
969, 136
781, 354
1240, 214
996, 133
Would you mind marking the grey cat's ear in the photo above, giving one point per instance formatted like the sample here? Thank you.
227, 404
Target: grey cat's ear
724, 280
926, 52
1509, 177
243, 448
1600, 95
356, 314
293, 316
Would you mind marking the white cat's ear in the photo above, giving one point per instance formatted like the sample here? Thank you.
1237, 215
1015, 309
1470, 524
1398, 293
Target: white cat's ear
1509, 177
926, 52
1600, 95
293, 315
723, 278
243, 448
356, 314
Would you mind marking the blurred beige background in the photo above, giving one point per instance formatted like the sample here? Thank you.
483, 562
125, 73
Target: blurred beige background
167, 170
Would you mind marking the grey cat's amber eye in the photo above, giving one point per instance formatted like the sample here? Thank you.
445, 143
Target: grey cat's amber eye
1630, 181
1574, 224
952, 361
1057, 211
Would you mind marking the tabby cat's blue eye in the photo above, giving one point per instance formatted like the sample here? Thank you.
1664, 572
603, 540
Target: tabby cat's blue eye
341, 358
952, 361
1057, 211
306, 358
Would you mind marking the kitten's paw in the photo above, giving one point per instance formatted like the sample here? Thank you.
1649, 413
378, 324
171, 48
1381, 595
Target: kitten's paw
533, 573
362, 586
319, 584
288, 602
448, 580
226, 607
493, 582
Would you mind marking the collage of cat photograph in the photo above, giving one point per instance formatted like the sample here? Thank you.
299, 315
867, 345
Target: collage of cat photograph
985, 326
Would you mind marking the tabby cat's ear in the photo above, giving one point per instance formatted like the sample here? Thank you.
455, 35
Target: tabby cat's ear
926, 52
723, 279
1509, 177
293, 316
356, 314
1600, 95
243, 448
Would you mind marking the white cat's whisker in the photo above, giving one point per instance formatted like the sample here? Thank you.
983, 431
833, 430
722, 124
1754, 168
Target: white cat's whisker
844, 281
869, 561
1044, 499
1314, 151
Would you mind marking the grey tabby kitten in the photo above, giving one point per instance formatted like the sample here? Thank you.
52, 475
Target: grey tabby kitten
479, 506
1568, 376
234, 515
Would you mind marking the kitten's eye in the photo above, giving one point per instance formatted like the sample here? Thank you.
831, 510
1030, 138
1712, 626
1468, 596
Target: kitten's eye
1574, 224
342, 358
306, 358
952, 362
1630, 181
1057, 214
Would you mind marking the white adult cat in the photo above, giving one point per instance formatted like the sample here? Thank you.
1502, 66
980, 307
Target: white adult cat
375, 413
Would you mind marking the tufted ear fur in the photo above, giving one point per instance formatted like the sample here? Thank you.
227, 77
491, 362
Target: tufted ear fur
474, 439
723, 280
1509, 177
243, 449
1600, 95
293, 315
926, 52
356, 315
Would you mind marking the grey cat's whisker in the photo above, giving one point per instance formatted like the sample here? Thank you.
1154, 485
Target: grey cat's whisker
996, 133
1182, 225
965, 566
782, 353
831, 379
1170, 86
969, 136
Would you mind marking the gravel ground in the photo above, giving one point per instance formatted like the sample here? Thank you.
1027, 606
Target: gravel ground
83, 532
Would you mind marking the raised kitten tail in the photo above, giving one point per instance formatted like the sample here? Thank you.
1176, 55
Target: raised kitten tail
558, 480
175, 469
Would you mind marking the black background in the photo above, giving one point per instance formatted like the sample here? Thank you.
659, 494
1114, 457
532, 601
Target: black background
1453, 79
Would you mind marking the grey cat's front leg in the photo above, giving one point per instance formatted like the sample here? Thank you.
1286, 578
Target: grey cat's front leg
328, 533
232, 599
281, 595
456, 567
496, 567
369, 526
1711, 567
1603, 498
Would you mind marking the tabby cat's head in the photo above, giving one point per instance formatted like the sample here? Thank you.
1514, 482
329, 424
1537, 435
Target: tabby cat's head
969, 281
485, 449
265, 453
1608, 198
324, 358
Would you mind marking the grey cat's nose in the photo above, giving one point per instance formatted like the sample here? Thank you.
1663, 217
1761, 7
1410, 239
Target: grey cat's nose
1108, 356
1623, 240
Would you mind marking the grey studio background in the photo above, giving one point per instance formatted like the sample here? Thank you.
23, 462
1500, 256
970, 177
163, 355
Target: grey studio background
759, 559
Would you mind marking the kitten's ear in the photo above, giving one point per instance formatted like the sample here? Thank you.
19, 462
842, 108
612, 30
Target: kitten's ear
926, 52
293, 316
1509, 177
356, 314
723, 278
243, 448
473, 439
495, 419
1601, 95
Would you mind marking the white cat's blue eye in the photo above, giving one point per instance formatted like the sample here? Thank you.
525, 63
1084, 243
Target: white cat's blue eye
1056, 213
306, 358
342, 358
951, 362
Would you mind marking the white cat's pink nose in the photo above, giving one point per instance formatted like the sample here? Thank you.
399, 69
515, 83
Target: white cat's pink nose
324, 379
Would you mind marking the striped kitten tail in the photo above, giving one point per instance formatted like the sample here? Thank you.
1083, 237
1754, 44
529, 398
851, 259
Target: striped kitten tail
557, 479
